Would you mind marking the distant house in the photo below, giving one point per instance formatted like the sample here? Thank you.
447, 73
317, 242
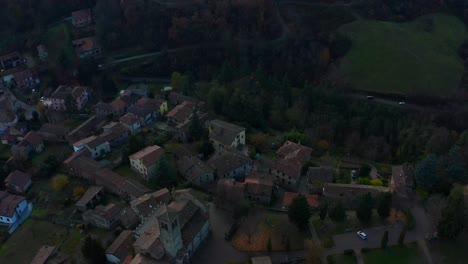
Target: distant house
11, 207
44, 254
128, 218
350, 193
53, 132
42, 52
225, 135
180, 113
144, 161
317, 176
90, 198
230, 192
89, 47
118, 185
18, 181
115, 133
183, 129
82, 18
19, 130
31, 142
97, 146
79, 164
132, 123
120, 248
157, 104
10, 61
105, 217
230, 163
195, 170
145, 205
91, 126
25, 80
258, 190
146, 114
288, 166
77, 95
402, 180
312, 200
176, 98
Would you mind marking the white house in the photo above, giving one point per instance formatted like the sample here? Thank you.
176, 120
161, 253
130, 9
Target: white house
132, 123
98, 146
11, 207
144, 161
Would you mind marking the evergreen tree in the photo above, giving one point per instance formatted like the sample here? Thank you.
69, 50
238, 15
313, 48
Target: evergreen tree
196, 128
384, 240
299, 212
93, 251
426, 172
165, 173
385, 203
337, 212
364, 210
453, 216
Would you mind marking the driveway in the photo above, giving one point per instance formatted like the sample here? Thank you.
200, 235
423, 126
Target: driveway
216, 250
375, 234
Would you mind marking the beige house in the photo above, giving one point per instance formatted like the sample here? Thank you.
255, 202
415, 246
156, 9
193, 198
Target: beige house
225, 135
144, 161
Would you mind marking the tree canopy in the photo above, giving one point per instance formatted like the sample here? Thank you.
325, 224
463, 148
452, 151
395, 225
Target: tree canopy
364, 210
299, 212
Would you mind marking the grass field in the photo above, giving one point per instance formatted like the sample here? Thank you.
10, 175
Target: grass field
396, 254
415, 58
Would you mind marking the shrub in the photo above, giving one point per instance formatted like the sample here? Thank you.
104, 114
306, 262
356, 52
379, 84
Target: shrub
78, 192
59, 182
376, 182
328, 242
363, 181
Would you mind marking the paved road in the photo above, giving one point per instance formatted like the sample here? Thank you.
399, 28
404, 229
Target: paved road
418, 234
216, 250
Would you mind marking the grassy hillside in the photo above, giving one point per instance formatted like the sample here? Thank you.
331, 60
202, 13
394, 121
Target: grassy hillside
415, 58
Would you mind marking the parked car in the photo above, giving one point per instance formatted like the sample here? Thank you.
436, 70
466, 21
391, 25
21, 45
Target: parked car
362, 235
370, 97
401, 103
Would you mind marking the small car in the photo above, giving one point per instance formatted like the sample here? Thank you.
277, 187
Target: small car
370, 97
362, 235
401, 103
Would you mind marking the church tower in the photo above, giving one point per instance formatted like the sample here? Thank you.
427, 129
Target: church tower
169, 227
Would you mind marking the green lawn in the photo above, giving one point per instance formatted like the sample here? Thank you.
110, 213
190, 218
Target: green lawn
32, 235
396, 254
59, 43
342, 259
415, 58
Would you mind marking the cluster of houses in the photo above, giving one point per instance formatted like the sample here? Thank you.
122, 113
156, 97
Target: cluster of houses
15, 74
87, 47
14, 207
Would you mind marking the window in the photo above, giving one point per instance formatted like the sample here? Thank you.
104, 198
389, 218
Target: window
289, 182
